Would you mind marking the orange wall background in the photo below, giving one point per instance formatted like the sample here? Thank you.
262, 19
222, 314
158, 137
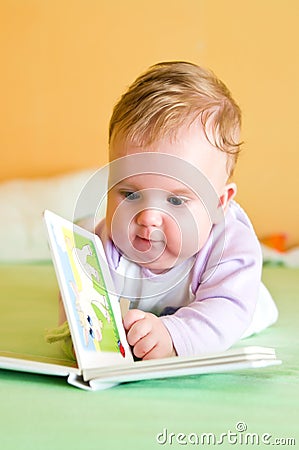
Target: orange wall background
64, 63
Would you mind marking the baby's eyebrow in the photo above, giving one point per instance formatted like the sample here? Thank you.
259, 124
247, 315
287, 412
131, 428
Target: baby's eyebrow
182, 192
179, 191
127, 187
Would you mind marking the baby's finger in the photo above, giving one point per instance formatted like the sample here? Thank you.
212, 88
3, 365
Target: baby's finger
132, 316
153, 353
138, 331
145, 346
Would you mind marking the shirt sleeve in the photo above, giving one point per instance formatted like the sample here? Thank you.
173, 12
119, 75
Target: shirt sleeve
225, 286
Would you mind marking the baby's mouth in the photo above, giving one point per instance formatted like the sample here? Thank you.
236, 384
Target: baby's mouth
143, 245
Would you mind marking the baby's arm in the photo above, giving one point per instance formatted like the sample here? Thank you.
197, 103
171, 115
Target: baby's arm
225, 298
148, 336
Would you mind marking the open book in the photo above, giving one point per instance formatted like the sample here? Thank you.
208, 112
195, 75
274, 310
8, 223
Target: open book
93, 311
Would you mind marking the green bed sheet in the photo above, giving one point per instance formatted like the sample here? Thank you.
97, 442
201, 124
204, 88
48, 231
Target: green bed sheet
251, 408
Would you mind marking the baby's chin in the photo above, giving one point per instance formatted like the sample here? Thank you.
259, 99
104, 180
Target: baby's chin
154, 261
159, 265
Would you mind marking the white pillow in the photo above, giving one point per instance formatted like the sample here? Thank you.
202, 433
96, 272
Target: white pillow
22, 202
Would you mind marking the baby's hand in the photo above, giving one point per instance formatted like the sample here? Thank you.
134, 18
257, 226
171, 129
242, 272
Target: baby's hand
147, 335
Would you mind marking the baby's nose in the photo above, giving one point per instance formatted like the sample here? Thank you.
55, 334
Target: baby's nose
150, 218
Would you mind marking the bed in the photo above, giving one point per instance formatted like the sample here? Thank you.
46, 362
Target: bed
260, 405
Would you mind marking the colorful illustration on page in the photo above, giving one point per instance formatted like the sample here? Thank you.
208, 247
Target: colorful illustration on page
88, 290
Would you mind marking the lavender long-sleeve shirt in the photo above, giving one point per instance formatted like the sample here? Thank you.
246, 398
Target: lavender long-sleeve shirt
209, 300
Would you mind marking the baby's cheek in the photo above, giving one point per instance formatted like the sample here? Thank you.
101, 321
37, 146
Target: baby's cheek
191, 231
184, 237
120, 226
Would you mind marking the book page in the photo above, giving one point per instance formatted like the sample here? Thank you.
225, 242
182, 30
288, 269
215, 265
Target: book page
232, 359
92, 311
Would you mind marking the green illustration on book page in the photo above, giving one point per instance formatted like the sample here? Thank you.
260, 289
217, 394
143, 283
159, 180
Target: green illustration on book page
88, 290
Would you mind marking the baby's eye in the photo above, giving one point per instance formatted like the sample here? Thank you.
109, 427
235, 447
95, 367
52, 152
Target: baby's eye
129, 195
176, 201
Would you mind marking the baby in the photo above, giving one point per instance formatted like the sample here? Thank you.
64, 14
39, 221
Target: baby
178, 245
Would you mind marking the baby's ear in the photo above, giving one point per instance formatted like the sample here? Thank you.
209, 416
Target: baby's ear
228, 194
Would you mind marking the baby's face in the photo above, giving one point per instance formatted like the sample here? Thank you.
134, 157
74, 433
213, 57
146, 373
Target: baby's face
160, 217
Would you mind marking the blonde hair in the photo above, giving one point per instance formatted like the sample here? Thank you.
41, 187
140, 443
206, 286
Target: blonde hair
170, 94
